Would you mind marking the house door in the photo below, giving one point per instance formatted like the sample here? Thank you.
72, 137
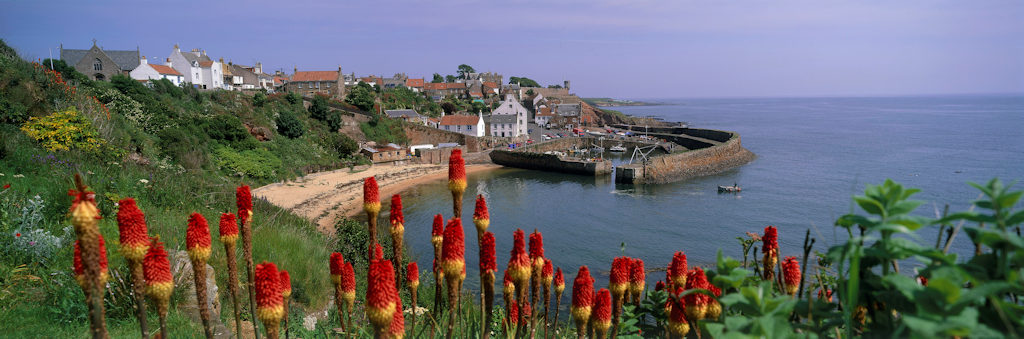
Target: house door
99, 77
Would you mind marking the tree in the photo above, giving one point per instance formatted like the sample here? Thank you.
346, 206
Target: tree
259, 99
290, 126
319, 109
448, 107
523, 81
437, 78
293, 98
362, 96
554, 86
529, 92
449, 78
465, 69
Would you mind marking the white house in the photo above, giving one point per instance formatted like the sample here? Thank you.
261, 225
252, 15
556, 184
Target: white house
197, 68
472, 125
511, 127
147, 71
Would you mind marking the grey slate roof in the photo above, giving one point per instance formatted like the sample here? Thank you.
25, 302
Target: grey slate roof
192, 57
126, 60
567, 109
398, 113
503, 119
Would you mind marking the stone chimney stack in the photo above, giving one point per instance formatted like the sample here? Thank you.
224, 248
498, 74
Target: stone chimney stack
259, 67
169, 63
142, 60
566, 85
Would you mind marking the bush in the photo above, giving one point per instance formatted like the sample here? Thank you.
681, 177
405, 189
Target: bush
63, 131
164, 86
12, 112
229, 129
345, 145
24, 239
256, 163
184, 144
384, 130
290, 126
293, 98
259, 99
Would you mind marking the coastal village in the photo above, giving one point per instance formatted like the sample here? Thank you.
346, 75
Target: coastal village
480, 105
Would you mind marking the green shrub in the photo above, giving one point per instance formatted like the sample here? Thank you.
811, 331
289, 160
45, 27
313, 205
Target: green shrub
384, 130
345, 145
184, 144
63, 131
259, 99
257, 163
229, 129
293, 98
290, 126
12, 112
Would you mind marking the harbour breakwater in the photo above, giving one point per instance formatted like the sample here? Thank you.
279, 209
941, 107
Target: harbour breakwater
688, 153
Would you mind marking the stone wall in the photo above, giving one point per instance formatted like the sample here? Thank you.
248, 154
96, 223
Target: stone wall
550, 162
419, 134
682, 166
437, 156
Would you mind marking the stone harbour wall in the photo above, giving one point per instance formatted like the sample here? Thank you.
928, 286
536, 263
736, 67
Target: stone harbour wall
550, 162
682, 166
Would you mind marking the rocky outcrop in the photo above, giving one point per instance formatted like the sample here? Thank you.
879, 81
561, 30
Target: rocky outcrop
184, 286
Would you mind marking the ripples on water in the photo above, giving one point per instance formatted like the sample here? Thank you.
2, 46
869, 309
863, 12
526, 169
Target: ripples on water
813, 156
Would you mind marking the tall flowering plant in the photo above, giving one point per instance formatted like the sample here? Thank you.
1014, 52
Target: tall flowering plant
269, 298
582, 300
457, 180
397, 234
770, 248
159, 283
437, 239
229, 236
380, 296
454, 264
131, 226
601, 317
336, 263
85, 219
488, 266
243, 202
559, 282
197, 242
371, 205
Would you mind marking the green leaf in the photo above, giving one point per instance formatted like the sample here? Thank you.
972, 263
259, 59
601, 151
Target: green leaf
905, 285
904, 207
1009, 199
1015, 218
869, 205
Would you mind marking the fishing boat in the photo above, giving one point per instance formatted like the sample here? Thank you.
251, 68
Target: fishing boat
617, 148
729, 189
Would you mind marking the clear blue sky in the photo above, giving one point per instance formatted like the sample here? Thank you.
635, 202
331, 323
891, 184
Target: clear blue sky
626, 49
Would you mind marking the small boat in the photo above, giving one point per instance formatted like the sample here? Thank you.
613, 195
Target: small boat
729, 189
617, 148
597, 149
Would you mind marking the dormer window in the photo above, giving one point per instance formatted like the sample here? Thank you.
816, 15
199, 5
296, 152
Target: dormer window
97, 65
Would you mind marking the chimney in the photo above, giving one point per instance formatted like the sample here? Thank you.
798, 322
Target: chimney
296, 70
204, 52
259, 67
142, 60
169, 62
176, 49
566, 85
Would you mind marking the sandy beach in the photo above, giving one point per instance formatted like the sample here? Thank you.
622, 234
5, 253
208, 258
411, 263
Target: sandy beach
326, 196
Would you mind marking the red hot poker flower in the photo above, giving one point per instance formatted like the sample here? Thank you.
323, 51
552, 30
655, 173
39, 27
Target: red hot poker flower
380, 294
618, 280
488, 262
156, 268
519, 261
371, 196
546, 272
677, 323
559, 281
197, 238
637, 278
791, 275
770, 241
697, 303
337, 263
412, 275
582, 297
348, 283
396, 216
285, 281
677, 270
79, 268
228, 228
397, 327
269, 301
377, 252
602, 314
513, 312
456, 172
243, 200
453, 251
437, 231
131, 225
537, 250
481, 218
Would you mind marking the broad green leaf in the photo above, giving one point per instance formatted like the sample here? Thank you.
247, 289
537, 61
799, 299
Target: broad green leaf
946, 288
1009, 199
869, 205
904, 207
1015, 218
905, 285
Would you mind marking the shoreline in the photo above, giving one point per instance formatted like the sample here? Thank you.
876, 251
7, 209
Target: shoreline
324, 197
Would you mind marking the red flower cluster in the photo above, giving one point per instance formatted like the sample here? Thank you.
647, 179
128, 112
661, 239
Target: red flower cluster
559, 281
396, 216
488, 262
380, 294
285, 280
582, 297
537, 249
480, 211
337, 263
456, 172
243, 200
546, 272
697, 303
770, 241
79, 267
453, 251
228, 228
371, 196
437, 232
618, 280
131, 226
269, 300
412, 275
197, 238
519, 261
791, 275
156, 268
637, 278
677, 270
602, 314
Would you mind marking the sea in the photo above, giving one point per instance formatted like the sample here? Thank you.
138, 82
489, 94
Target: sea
813, 156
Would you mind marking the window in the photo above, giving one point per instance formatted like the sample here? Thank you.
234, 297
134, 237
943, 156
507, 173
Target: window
97, 65
328, 84
317, 85
300, 85
469, 128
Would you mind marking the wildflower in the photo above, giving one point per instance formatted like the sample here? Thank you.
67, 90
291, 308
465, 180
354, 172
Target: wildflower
513, 313
380, 294
559, 281
519, 262
677, 324
412, 276
582, 298
696, 303
396, 330
770, 248
537, 250
453, 253
437, 232
17, 235
714, 308
157, 271
546, 273
791, 275
525, 309
79, 268
228, 229
269, 300
602, 314
660, 285
618, 280
197, 238
348, 284
371, 196
144, 181
243, 200
508, 287
488, 262
19, 175
637, 279
336, 263
376, 252
131, 225
825, 294
481, 218
920, 280
677, 270
31, 243
7, 186
456, 172
285, 280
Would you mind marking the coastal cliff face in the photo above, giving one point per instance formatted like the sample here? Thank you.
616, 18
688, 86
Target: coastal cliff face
686, 165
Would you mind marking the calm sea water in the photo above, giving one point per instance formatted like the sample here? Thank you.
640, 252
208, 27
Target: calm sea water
813, 156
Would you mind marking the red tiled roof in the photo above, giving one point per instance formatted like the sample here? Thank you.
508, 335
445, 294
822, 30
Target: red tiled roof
280, 80
476, 94
164, 69
544, 111
315, 76
205, 63
432, 85
490, 84
459, 119
414, 83
456, 85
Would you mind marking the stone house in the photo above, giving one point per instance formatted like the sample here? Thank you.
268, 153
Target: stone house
309, 83
515, 126
543, 116
198, 69
408, 115
472, 125
416, 85
147, 71
391, 152
100, 64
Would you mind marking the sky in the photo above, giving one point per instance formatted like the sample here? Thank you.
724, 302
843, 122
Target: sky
623, 49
